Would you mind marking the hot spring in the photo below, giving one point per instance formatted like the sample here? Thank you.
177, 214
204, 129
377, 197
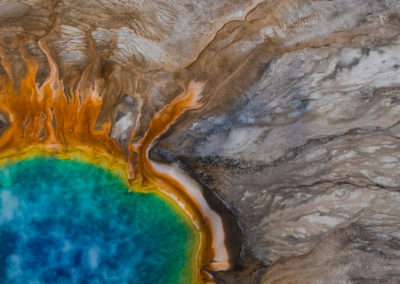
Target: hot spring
68, 221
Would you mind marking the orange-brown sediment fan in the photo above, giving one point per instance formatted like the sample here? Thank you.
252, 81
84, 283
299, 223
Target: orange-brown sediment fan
42, 117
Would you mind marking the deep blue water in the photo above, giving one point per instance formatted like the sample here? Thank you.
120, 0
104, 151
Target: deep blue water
71, 222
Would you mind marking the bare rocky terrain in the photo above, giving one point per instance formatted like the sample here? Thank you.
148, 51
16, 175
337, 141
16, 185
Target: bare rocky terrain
297, 142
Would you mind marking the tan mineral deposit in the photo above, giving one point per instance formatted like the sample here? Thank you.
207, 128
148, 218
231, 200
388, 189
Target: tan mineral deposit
270, 127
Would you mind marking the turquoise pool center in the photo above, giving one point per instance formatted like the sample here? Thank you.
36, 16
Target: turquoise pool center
64, 221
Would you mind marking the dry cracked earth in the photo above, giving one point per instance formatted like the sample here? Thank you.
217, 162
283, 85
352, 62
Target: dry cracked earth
297, 144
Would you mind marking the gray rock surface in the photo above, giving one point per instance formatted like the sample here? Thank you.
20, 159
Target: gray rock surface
299, 134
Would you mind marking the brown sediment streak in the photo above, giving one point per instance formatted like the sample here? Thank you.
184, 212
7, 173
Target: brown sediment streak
186, 192
44, 120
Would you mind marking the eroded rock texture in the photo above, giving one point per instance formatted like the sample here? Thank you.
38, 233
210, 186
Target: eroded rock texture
299, 133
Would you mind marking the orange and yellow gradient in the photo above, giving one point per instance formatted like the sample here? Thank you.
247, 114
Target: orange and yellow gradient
43, 121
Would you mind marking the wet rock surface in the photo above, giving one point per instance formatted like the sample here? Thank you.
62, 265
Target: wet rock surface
298, 137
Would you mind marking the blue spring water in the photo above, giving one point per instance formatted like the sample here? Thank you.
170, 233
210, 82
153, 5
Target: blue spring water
65, 221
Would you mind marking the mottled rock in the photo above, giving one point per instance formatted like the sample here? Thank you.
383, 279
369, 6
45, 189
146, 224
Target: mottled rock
298, 136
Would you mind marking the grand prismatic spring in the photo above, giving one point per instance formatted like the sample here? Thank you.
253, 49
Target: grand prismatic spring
200, 141
73, 206
70, 222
